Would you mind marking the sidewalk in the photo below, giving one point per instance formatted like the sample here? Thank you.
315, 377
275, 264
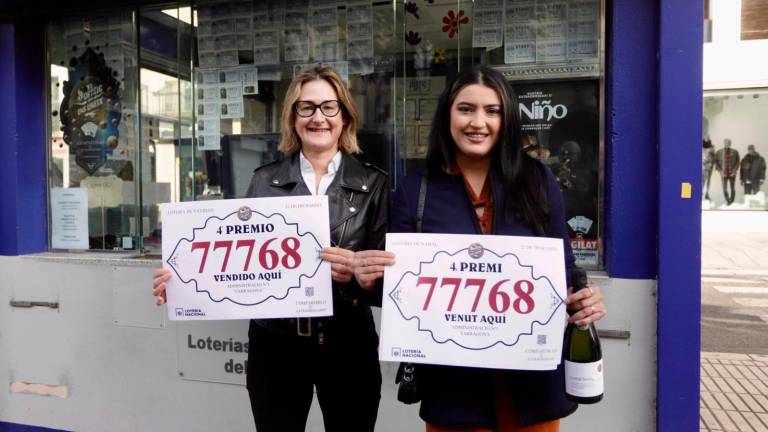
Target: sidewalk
734, 387
734, 253
734, 392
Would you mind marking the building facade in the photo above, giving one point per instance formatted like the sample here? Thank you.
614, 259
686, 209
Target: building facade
120, 109
735, 102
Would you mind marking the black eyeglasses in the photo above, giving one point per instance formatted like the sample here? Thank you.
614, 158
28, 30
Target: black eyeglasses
329, 108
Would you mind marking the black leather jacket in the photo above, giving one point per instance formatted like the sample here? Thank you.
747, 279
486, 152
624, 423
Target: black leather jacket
358, 201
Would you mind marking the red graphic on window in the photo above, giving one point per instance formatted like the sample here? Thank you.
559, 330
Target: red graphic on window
452, 22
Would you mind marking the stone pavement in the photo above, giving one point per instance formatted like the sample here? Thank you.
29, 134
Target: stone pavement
734, 387
734, 253
734, 392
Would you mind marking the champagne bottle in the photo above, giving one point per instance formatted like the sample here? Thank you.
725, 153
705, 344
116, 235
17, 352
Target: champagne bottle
582, 356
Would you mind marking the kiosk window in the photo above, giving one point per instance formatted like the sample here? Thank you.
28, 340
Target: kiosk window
188, 106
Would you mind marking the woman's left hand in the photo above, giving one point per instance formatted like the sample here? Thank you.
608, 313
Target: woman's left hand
369, 265
341, 263
588, 304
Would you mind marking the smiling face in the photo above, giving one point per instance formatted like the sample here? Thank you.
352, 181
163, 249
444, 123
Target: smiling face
318, 133
476, 117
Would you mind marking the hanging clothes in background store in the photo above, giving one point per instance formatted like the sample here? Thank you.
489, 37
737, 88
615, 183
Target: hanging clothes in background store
708, 163
752, 171
727, 164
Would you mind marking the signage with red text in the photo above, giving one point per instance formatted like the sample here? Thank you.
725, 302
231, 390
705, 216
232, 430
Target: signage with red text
247, 258
472, 300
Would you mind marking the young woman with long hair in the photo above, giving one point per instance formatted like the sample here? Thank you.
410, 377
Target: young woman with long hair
479, 181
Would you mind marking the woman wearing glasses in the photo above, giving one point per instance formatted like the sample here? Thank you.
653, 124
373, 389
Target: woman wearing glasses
289, 358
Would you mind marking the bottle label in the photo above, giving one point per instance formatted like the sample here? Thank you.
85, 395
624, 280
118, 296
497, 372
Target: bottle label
584, 379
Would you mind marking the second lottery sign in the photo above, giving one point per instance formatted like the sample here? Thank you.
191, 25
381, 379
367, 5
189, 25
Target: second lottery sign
250, 258
485, 301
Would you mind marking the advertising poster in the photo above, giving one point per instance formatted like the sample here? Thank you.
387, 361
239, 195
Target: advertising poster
473, 300
247, 258
91, 111
560, 125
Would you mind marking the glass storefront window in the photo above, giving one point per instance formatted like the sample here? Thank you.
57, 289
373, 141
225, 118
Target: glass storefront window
735, 142
551, 53
119, 113
200, 98
93, 107
247, 54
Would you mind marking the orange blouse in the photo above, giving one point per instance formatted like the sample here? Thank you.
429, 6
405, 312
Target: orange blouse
483, 203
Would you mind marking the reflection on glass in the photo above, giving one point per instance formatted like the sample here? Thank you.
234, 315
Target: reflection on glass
167, 160
213, 78
92, 112
733, 165
243, 67
550, 52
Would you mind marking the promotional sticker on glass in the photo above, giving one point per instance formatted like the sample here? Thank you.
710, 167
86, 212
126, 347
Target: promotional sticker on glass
472, 300
90, 111
247, 258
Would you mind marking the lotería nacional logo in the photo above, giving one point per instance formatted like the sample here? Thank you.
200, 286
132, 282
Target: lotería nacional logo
475, 250
194, 312
244, 213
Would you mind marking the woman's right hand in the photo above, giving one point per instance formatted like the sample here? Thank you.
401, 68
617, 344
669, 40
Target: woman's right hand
368, 265
162, 276
587, 304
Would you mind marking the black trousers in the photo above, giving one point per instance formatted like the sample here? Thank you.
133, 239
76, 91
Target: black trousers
729, 196
284, 371
706, 176
751, 188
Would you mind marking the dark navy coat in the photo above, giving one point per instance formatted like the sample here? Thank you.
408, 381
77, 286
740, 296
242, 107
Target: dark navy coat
463, 397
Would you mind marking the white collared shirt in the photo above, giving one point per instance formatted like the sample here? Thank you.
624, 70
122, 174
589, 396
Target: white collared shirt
308, 173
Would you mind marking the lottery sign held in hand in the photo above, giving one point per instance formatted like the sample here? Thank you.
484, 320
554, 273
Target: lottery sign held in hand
486, 301
253, 258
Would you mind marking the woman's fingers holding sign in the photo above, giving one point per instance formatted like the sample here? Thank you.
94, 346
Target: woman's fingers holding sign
369, 265
162, 276
341, 262
587, 304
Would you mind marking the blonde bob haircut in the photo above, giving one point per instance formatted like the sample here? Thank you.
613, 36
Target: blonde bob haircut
290, 142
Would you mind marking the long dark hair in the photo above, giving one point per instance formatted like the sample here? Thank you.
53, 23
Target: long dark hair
523, 177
